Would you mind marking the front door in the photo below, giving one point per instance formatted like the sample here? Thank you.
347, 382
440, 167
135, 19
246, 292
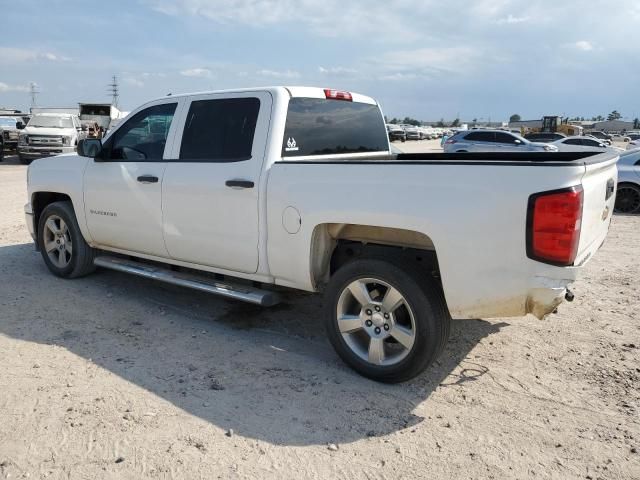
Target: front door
122, 191
210, 192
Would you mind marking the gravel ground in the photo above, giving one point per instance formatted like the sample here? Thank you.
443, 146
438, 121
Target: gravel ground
112, 376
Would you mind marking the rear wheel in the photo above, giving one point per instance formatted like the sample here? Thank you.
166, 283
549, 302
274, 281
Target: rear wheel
61, 243
387, 321
628, 198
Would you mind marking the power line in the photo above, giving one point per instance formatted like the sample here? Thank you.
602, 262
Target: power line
33, 91
114, 91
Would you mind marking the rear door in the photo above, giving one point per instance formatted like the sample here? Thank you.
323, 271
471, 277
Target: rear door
481, 141
210, 188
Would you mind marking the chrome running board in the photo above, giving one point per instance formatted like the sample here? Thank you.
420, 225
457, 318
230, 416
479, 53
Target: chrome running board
248, 294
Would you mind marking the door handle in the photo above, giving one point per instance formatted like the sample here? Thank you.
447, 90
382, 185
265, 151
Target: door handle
239, 183
147, 179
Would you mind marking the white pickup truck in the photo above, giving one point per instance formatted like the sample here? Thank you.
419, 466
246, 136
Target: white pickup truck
238, 192
48, 134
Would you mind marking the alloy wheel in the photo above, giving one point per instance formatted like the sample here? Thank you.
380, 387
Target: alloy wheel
57, 241
376, 321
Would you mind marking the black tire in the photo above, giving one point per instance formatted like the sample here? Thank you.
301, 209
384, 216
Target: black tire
627, 198
1, 149
423, 296
24, 160
81, 258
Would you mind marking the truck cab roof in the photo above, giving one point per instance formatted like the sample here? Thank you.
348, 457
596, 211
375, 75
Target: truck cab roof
292, 91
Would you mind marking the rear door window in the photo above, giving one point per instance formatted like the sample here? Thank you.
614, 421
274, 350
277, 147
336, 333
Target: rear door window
480, 137
505, 138
317, 126
590, 143
220, 130
573, 141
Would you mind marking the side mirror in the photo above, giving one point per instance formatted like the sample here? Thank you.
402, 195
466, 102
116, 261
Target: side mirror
20, 125
90, 147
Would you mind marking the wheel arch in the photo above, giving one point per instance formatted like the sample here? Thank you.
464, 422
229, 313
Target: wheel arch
40, 200
334, 244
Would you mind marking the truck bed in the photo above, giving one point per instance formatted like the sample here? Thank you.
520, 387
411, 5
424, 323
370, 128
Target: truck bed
471, 206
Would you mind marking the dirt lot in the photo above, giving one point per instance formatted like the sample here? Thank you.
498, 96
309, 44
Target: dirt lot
112, 376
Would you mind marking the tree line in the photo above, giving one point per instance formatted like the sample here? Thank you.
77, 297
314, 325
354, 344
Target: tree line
614, 115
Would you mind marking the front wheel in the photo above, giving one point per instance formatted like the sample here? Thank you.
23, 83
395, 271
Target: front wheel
388, 321
61, 243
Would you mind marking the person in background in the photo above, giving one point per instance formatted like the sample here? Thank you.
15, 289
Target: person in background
444, 138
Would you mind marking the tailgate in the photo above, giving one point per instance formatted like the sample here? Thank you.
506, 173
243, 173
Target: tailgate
599, 184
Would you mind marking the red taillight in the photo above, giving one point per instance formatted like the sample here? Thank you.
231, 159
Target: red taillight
553, 226
337, 95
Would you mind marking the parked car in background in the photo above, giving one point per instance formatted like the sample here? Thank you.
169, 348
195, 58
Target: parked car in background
493, 141
583, 143
49, 134
628, 196
544, 137
601, 136
634, 141
396, 132
620, 138
413, 133
633, 144
8, 134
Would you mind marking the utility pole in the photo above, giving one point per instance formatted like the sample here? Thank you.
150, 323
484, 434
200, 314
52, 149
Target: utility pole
114, 91
33, 91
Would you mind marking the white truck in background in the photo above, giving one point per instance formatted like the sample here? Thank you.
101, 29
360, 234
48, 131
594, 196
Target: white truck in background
98, 118
234, 192
49, 132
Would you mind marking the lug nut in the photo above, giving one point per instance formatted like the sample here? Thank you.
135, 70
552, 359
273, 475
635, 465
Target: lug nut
377, 330
368, 323
368, 312
377, 309
386, 327
386, 316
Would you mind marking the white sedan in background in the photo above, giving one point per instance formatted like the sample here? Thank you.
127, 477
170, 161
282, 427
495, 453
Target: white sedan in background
583, 144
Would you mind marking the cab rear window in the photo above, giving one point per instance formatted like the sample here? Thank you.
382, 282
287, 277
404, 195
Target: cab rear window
317, 126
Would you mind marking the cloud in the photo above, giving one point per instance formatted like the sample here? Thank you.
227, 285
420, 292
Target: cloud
338, 71
196, 72
427, 62
512, 20
133, 82
336, 18
277, 74
12, 55
4, 87
582, 45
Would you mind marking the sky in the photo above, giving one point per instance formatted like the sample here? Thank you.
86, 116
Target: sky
427, 59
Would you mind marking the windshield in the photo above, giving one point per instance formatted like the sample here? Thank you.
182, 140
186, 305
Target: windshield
50, 122
8, 122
